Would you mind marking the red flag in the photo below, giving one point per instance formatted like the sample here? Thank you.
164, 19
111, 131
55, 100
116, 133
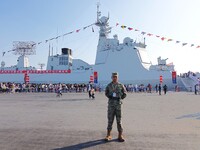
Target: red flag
130, 28
163, 38
149, 34
198, 46
78, 30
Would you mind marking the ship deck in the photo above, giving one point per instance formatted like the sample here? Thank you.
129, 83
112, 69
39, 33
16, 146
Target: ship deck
40, 121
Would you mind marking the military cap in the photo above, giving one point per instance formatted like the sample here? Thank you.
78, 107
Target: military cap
114, 74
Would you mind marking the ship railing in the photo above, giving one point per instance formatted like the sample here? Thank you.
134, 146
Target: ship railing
194, 78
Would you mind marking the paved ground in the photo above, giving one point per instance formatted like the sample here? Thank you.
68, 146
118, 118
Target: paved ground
42, 122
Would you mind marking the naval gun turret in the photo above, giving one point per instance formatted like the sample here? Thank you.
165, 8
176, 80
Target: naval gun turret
162, 61
162, 65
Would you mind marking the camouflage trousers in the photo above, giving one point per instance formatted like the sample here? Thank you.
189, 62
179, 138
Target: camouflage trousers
114, 111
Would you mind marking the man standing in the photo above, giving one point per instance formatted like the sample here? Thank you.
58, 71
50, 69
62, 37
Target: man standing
165, 89
159, 89
115, 92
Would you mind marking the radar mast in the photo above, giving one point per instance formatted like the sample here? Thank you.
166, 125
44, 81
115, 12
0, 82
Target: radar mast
102, 23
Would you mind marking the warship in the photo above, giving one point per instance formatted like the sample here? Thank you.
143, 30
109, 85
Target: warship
129, 58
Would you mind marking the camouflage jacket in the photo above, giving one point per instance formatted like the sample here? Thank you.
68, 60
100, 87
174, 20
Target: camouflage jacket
117, 88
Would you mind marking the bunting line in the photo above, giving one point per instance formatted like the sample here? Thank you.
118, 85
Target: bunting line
163, 38
57, 37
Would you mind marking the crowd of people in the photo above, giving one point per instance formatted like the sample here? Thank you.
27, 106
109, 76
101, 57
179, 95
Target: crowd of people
8, 87
32, 87
148, 88
187, 74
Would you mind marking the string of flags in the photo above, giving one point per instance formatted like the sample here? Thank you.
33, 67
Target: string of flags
57, 37
163, 38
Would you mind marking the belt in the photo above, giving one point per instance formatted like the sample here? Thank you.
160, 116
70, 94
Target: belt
115, 98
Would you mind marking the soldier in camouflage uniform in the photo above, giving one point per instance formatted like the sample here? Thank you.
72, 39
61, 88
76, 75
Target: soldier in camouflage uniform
115, 92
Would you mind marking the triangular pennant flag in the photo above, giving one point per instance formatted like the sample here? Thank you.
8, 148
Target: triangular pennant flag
51, 39
123, 27
39, 43
84, 28
65, 34
71, 32
177, 41
183, 44
78, 30
169, 40
11, 50
149, 34
130, 28
46, 41
192, 45
163, 38
137, 30
157, 36
117, 24
143, 33
4, 53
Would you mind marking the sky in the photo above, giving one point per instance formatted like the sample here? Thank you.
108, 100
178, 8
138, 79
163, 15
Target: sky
39, 20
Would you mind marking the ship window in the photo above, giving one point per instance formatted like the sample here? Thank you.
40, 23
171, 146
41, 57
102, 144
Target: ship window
63, 61
51, 67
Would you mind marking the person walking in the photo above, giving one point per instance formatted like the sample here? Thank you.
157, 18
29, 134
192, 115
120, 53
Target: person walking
156, 87
115, 92
159, 89
93, 93
89, 89
165, 89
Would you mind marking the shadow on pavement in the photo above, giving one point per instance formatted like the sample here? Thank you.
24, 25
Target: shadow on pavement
195, 115
74, 100
85, 145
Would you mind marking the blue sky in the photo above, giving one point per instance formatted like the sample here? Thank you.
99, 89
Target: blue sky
38, 20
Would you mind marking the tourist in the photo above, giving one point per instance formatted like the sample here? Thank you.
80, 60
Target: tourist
156, 88
92, 93
89, 89
159, 89
165, 89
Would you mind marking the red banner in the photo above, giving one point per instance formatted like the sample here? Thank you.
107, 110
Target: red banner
34, 71
26, 78
161, 79
174, 77
91, 78
95, 77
